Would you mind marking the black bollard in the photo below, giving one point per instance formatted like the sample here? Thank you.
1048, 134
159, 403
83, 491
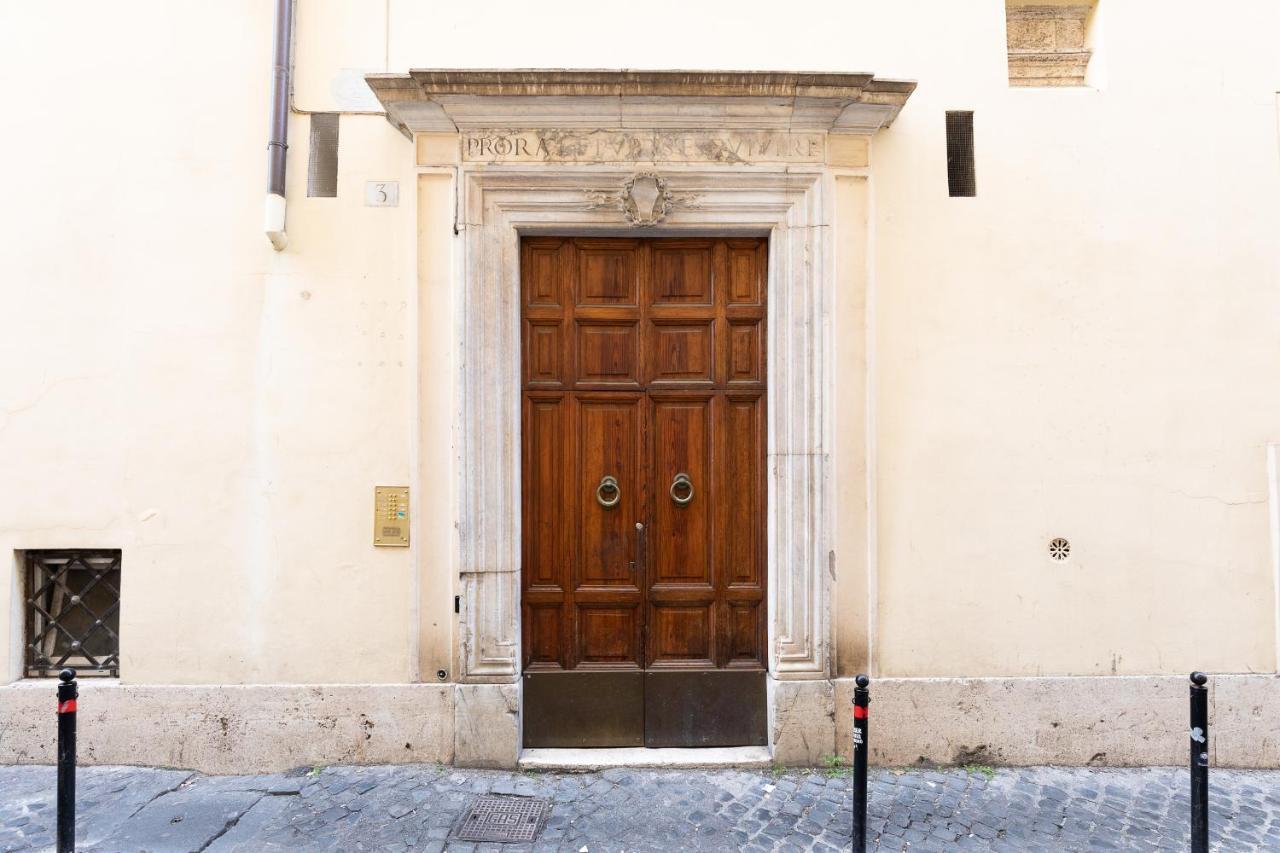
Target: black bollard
861, 722
1199, 763
67, 695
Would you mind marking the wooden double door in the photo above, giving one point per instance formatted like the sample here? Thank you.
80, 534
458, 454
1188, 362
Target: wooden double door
643, 566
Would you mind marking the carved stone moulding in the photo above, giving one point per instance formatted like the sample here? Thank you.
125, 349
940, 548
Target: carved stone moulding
722, 146
1048, 69
497, 206
447, 101
1047, 44
644, 199
622, 82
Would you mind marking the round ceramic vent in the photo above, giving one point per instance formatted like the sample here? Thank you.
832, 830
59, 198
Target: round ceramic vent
1059, 549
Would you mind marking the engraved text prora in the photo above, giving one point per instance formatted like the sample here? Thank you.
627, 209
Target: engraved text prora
648, 146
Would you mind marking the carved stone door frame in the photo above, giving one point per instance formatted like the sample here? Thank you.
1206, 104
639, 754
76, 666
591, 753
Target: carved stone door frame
499, 203
654, 153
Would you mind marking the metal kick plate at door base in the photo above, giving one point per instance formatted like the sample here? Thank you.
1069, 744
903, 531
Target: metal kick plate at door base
391, 516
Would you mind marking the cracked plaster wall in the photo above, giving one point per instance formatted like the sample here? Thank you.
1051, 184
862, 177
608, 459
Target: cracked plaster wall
173, 387
1087, 349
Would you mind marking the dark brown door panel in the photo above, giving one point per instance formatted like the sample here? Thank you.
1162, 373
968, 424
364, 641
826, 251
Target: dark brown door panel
643, 448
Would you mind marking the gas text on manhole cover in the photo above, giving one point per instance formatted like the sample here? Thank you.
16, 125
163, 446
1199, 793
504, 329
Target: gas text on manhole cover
498, 818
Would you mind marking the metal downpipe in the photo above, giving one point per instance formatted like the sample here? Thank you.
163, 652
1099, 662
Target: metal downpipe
278, 143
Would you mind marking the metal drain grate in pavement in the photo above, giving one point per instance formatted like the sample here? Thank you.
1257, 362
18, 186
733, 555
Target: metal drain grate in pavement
498, 818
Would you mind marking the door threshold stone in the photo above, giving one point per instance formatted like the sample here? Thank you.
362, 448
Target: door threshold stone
600, 759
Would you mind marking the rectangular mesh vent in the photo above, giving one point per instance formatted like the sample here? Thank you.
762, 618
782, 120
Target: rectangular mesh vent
961, 181
322, 164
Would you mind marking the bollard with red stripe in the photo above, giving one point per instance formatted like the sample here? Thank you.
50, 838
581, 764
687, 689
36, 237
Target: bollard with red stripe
68, 693
1199, 763
861, 723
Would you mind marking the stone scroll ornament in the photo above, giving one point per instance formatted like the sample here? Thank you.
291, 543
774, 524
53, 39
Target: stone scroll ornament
644, 199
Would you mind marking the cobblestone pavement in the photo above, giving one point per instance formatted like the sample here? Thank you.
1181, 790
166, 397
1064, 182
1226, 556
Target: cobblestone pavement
415, 807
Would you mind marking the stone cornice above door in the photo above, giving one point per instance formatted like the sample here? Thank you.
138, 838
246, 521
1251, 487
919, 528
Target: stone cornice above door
437, 100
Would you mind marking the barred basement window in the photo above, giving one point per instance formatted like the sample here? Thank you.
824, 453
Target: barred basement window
73, 612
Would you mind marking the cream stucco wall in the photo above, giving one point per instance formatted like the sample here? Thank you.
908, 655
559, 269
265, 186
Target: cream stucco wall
1087, 349
174, 387
1083, 350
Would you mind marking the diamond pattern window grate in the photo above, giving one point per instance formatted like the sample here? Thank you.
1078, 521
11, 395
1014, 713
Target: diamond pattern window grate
73, 612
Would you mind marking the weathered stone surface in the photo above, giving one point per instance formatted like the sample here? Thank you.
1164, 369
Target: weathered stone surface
1098, 721
487, 725
848, 150
739, 147
415, 807
607, 758
445, 101
1048, 69
793, 204
244, 835
1120, 721
223, 729
437, 149
1047, 45
186, 819
1244, 726
802, 722
105, 798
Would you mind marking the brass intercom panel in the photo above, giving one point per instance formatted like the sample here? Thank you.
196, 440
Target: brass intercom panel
391, 516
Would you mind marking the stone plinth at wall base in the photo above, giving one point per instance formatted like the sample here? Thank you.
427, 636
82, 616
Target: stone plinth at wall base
1115, 721
1103, 721
802, 721
233, 729
486, 728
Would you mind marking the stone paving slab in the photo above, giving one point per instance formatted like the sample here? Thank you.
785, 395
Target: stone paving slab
415, 807
106, 798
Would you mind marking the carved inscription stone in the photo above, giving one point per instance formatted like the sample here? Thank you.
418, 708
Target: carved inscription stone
643, 146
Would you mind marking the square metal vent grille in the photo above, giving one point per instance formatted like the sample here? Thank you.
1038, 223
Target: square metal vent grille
498, 818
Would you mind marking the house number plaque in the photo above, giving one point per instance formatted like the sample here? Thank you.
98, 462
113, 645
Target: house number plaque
391, 516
